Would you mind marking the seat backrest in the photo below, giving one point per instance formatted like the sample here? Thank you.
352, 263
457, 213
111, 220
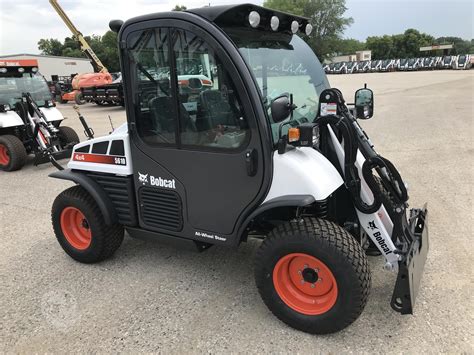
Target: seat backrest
162, 112
216, 108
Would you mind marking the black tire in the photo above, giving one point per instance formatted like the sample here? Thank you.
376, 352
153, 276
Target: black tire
79, 99
12, 153
67, 136
104, 240
336, 249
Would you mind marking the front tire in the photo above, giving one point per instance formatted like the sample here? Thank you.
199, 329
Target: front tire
313, 275
12, 153
67, 136
80, 227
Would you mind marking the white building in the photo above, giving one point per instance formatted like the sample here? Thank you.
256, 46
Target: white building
49, 65
358, 56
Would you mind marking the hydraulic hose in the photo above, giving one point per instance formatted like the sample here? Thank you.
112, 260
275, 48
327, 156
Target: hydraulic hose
351, 174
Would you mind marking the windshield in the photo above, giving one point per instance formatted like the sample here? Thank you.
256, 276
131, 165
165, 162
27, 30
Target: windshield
461, 59
282, 64
12, 88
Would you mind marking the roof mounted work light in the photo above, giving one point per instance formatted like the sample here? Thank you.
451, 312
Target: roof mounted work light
274, 23
294, 26
254, 19
308, 29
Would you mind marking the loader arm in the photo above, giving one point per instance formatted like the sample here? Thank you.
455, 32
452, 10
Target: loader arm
99, 67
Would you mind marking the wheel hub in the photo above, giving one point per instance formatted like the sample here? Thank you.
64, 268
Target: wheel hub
305, 284
4, 156
310, 275
75, 228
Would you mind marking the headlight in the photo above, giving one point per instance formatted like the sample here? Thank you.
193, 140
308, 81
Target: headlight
305, 135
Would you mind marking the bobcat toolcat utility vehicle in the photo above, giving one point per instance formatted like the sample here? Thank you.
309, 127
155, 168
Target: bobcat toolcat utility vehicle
30, 123
269, 150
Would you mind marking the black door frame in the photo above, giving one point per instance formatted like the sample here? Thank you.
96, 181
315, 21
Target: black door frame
193, 23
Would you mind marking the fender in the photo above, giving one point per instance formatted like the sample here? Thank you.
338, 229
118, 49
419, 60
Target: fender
282, 201
303, 171
10, 119
97, 193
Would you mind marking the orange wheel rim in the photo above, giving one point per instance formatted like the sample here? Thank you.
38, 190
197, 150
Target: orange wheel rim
4, 156
75, 228
305, 284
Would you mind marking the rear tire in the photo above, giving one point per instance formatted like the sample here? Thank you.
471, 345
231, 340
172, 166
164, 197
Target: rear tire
313, 275
67, 136
80, 227
12, 153
79, 99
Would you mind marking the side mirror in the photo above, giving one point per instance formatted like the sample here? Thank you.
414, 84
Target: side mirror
115, 25
281, 107
364, 103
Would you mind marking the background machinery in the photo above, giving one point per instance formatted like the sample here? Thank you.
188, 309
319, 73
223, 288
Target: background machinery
94, 87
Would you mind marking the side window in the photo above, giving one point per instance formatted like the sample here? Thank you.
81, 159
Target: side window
210, 111
155, 110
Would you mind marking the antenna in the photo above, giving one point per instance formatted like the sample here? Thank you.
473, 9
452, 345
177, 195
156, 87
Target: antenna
111, 124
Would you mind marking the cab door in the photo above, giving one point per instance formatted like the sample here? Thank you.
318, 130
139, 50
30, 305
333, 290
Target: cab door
196, 149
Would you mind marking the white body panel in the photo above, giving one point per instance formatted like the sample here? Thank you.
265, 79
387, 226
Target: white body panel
303, 171
10, 119
121, 133
52, 114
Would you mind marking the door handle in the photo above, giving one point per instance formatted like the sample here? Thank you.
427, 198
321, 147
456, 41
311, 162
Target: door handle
251, 162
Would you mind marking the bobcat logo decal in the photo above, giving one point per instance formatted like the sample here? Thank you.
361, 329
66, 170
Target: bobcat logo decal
143, 178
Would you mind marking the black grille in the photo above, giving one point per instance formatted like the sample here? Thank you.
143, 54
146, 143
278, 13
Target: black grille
161, 208
120, 191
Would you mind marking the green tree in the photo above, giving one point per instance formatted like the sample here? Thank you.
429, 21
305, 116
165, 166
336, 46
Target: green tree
349, 46
50, 46
179, 8
326, 17
398, 46
460, 46
105, 47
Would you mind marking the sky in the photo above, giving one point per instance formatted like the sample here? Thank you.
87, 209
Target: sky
24, 22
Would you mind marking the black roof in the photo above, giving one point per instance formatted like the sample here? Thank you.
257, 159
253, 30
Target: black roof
237, 16
231, 16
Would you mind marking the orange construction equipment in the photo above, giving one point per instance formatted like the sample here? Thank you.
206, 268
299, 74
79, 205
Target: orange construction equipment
99, 78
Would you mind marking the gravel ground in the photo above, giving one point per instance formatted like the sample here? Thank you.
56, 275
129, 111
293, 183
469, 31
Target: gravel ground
151, 297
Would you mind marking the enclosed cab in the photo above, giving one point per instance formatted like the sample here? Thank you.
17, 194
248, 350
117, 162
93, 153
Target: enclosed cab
29, 120
363, 66
352, 67
340, 68
412, 64
266, 150
447, 62
463, 61
387, 65
375, 65
402, 65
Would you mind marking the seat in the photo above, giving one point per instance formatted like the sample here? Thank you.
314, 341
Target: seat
162, 113
215, 111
